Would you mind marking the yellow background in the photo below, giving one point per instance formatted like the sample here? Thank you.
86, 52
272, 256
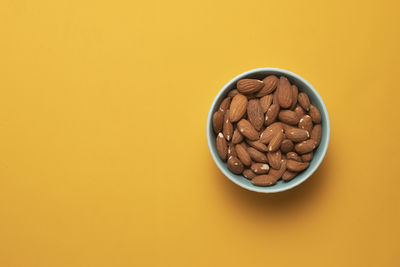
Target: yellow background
103, 153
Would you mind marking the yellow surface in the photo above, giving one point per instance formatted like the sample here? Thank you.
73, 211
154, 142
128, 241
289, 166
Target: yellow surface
103, 154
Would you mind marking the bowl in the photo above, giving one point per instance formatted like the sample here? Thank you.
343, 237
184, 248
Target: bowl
319, 153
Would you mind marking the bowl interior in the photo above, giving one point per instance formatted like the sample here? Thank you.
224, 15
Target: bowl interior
319, 153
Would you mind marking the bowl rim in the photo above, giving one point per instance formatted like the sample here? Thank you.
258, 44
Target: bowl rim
210, 131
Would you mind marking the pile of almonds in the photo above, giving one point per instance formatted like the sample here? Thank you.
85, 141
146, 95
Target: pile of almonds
267, 130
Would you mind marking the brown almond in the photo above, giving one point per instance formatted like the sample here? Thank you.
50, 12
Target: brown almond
225, 104
272, 114
248, 173
287, 146
266, 102
243, 155
316, 134
307, 157
237, 137
278, 173
227, 128
304, 101
270, 131
296, 166
259, 168
232, 93
218, 121
297, 134
264, 180
274, 159
235, 165
275, 98
284, 92
258, 145
294, 156
288, 175
247, 130
295, 92
306, 123
270, 84
289, 117
315, 115
249, 86
222, 146
256, 155
299, 111
276, 141
305, 146
255, 114
238, 107
286, 127
231, 150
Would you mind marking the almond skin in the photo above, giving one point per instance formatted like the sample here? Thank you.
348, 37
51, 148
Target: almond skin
269, 132
237, 137
297, 134
270, 84
249, 86
266, 102
235, 165
238, 107
293, 156
278, 173
256, 155
249, 174
288, 175
258, 145
255, 114
222, 146
232, 93
275, 98
295, 93
284, 92
218, 121
299, 111
304, 101
227, 128
243, 155
259, 168
247, 130
272, 114
276, 141
316, 134
305, 146
264, 180
231, 150
307, 157
296, 166
274, 159
225, 104
289, 117
315, 115
287, 146
306, 123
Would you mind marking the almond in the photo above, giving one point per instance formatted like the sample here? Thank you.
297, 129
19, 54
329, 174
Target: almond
227, 128
276, 141
235, 165
297, 134
260, 168
289, 117
270, 84
288, 175
249, 86
275, 98
225, 104
249, 174
305, 146
232, 93
238, 107
286, 127
307, 157
218, 121
278, 173
315, 115
304, 101
270, 131
231, 150
294, 156
299, 111
256, 155
306, 123
295, 92
316, 134
222, 146
284, 92
247, 130
287, 146
237, 137
296, 166
274, 159
258, 145
265, 102
272, 114
264, 180
255, 114
243, 155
